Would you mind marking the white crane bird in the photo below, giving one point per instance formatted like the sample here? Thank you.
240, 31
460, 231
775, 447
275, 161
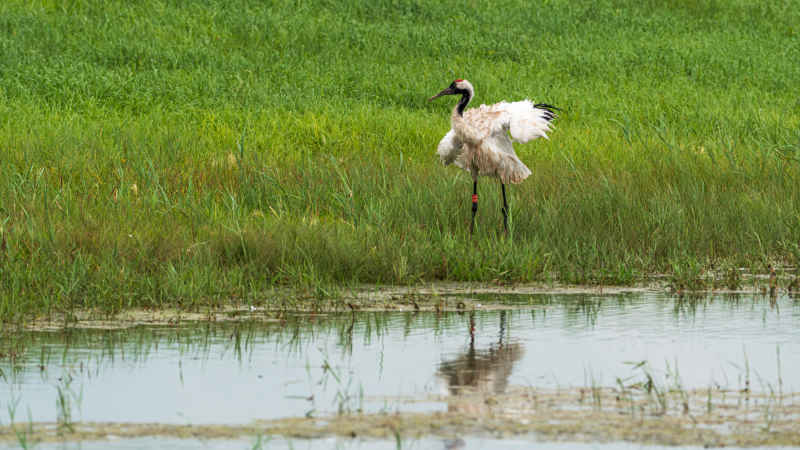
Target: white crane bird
479, 140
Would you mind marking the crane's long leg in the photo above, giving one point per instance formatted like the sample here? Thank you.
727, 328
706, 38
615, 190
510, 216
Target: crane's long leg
472, 333
505, 208
474, 205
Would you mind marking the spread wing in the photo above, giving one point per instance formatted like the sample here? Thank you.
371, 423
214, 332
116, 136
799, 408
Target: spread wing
450, 148
485, 140
523, 120
529, 121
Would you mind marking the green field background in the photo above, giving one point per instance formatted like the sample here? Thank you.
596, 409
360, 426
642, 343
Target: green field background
186, 153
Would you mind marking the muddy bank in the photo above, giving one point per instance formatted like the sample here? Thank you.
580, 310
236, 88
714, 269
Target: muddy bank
443, 296
430, 297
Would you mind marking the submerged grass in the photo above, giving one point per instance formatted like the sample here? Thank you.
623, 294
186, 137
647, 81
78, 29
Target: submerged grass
180, 153
523, 412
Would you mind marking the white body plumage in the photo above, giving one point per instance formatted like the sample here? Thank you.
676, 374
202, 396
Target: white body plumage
480, 140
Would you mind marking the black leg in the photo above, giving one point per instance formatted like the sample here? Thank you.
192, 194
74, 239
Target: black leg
474, 205
502, 329
472, 333
505, 208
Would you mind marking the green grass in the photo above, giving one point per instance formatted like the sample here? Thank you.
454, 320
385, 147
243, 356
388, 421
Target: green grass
159, 153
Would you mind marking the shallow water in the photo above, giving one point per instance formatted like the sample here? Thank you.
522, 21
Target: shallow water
316, 364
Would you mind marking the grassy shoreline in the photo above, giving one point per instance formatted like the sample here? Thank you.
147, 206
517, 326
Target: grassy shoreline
216, 151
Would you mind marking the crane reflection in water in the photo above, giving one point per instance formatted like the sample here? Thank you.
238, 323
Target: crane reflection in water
479, 371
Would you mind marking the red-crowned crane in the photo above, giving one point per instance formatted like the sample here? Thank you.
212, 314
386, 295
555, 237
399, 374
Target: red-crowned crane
479, 140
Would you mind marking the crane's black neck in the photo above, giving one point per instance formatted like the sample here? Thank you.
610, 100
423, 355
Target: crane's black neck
466, 96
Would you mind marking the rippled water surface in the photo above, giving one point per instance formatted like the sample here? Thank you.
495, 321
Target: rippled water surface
315, 364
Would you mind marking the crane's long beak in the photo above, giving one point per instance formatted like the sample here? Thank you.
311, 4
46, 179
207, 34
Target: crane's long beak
448, 91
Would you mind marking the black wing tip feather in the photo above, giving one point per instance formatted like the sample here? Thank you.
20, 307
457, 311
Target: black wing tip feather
546, 106
549, 110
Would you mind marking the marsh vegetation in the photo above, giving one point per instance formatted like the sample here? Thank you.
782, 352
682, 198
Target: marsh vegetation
178, 154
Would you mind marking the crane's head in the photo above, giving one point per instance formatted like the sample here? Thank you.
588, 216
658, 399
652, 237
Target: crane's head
457, 87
